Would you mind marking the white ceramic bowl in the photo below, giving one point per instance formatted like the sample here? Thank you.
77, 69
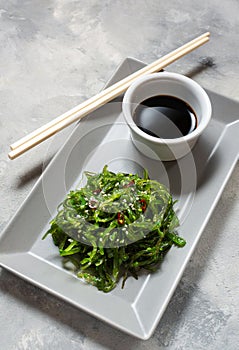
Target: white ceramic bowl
172, 84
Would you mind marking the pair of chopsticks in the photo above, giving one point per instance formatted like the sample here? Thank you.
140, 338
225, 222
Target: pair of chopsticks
88, 106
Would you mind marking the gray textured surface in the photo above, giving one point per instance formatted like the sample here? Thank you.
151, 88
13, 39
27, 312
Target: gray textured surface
54, 54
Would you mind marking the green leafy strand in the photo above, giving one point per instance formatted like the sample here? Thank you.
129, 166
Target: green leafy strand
115, 226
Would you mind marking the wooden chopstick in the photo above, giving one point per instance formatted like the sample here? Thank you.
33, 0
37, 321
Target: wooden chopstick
83, 109
128, 80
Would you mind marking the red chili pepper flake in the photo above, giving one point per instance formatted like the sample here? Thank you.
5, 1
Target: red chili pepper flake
120, 218
143, 204
97, 191
129, 184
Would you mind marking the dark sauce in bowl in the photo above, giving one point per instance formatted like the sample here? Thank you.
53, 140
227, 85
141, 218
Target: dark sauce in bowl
165, 117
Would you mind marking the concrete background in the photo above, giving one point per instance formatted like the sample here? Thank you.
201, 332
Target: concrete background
53, 55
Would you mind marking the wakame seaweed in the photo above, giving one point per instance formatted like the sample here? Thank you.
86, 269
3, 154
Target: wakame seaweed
114, 226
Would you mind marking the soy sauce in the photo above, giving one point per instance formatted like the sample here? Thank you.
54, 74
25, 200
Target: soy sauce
165, 117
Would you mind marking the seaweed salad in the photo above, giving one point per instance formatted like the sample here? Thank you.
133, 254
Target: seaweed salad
115, 226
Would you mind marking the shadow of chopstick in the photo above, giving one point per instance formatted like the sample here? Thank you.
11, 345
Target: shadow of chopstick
32, 173
204, 63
